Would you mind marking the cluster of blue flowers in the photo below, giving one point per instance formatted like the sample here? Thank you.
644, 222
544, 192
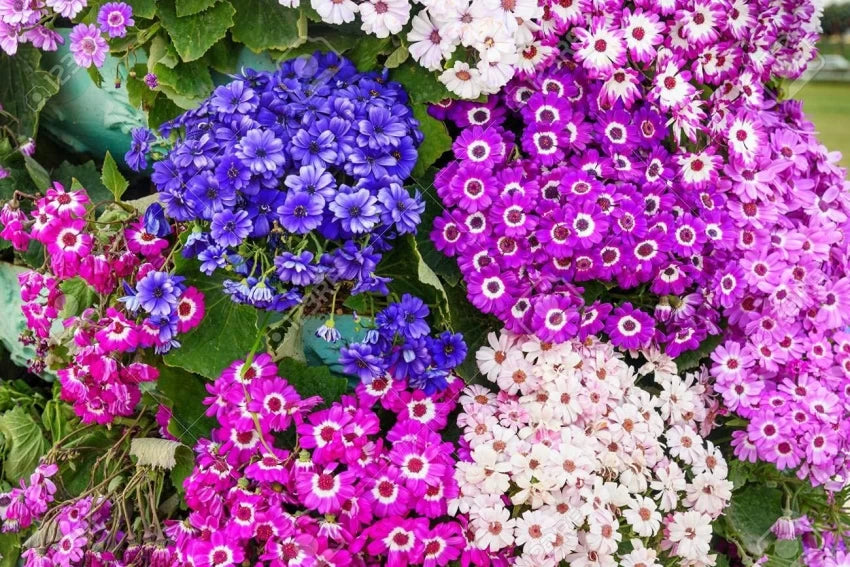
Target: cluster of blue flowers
401, 343
293, 177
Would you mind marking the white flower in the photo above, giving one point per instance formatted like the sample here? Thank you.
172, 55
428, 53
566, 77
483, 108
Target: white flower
644, 517
384, 17
536, 532
690, 532
709, 494
491, 358
684, 443
335, 11
494, 529
462, 80
430, 43
488, 470
495, 75
290, 3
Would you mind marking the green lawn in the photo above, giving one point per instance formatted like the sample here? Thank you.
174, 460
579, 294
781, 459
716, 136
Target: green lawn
828, 106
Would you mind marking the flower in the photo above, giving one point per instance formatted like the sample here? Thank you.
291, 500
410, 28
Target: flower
114, 18
87, 45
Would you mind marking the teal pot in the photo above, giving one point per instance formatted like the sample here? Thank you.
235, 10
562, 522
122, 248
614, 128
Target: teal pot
87, 118
319, 352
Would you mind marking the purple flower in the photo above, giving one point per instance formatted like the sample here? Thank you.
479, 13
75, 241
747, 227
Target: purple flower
629, 328
317, 150
301, 212
380, 129
140, 145
235, 97
357, 359
357, 210
261, 151
114, 18
298, 270
229, 228
88, 46
400, 208
158, 293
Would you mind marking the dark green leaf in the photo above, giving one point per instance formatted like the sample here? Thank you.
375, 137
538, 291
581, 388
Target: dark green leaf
10, 549
189, 7
184, 393
437, 140
162, 110
410, 274
223, 56
444, 266
112, 178
95, 76
138, 93
227, 332
143, 8
187, 84
753, 510
57, 419
368, 50
473, 325
25, 443
265, 24
312, 380
181, 471
39, 175
194, 35
692, 358
420, 84
78, 296
24, 89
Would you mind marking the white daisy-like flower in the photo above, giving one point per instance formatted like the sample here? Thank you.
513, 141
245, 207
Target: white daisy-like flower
462, 80
384, 17
335, 11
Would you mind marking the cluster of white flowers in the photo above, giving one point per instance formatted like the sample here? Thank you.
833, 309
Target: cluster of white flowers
499, 34
590, 462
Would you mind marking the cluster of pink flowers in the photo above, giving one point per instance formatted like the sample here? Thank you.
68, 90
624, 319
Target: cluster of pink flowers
571, 457
97, 375
704, 59
21, 507
365, 481
785, 291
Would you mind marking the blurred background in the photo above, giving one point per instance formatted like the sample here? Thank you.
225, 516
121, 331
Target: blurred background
826, 86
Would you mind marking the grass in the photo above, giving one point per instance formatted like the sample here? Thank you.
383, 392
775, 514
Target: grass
828, 106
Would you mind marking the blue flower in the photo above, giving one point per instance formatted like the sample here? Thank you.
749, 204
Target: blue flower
313, 180
261, 151
448, 350
301, 212
357, 211
411, 316
155, 222
232, 173
318, 151
140, 145
400, 209
234, 97
298, 270
229, 228
381, 130
206, 197
359, 360
159, 292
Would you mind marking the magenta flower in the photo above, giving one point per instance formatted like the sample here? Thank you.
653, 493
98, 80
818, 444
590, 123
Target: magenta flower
88, 46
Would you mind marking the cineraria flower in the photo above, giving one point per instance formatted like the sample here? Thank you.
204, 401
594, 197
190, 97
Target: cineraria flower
316, 196
599, 444
88, 46
114, 18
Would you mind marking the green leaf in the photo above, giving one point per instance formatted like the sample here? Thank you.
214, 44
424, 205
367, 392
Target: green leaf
95, 76
444, 266
187, 84
10, 549
87, 176
467, 320
194, 35
112, 178
39, 175
78, 296
25, 443
420, 84
184, 393
436, 142
162, 110
189, 7
367, 51
163, 52
57, 419
181, 471
692, 358
143, 8
227, 332
24, 89
753, 510
265, 24
397, 57
312, 380
223, 56
138, 93
787, 551
405, 266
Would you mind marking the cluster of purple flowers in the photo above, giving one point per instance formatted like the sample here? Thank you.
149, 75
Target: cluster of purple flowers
21, 507
294, 177
400, 343
28, 21
96, 374
595, 196
784, 289
365, 481
701, 58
